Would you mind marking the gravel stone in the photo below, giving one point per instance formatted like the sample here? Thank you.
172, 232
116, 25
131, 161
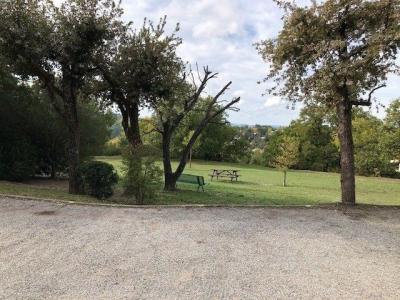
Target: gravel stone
59, 251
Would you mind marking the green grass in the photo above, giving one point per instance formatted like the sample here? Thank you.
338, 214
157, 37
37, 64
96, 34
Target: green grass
40, 191
257, 185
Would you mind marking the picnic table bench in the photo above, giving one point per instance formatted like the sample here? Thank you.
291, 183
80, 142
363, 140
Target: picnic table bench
231, 174
193, 179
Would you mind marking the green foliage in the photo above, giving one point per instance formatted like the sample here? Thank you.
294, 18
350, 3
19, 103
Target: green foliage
97, 179
17, 160
57, 46
272, 150
141, 174
222, 142
18, 152
219, 140
391, 139
34, 136
375, 144
95, 128
333, 47
366, 129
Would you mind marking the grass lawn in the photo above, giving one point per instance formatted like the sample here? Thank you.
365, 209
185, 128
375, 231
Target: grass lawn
257, 185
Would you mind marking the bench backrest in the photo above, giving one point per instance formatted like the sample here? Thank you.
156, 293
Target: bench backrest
191, 179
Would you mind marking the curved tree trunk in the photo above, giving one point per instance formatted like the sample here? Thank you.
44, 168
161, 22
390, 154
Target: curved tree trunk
346, 153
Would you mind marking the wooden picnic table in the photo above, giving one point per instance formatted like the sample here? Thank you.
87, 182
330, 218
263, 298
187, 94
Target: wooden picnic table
231, 174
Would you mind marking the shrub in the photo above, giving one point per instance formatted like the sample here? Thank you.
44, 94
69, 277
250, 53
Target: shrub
142, 175
97, 179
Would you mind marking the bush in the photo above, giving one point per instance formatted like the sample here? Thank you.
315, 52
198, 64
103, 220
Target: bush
98, 179
142, 175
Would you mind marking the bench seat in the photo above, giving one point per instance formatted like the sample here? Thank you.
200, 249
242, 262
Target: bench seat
192, 179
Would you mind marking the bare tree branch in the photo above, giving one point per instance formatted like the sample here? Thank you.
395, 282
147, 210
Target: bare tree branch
367, 102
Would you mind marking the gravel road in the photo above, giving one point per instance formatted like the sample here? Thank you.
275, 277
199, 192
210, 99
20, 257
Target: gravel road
59, 251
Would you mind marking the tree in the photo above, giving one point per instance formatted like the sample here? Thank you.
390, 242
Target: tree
219, 141
336, 53
56, 45
17, 153
392, 119
316, 135
390, 140
144, 70
171, 109
34, 136
132, 71
367, 131
287, 156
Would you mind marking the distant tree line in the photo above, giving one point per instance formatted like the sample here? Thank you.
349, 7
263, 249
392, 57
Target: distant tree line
376, 141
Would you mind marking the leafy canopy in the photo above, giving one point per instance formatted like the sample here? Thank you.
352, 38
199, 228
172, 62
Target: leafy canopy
335, 46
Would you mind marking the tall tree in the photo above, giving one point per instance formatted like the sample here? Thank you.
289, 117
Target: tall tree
336, 53
56, 45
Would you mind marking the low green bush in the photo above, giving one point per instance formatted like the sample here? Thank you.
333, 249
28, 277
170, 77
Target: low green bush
98, 179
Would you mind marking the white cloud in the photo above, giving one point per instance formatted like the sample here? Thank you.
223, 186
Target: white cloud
273, 101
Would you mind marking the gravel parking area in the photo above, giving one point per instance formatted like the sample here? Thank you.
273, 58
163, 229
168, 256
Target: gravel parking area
59, 251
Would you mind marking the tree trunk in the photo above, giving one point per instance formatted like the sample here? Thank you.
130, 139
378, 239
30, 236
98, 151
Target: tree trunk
169, 177
73, 150
72, 122
170, 181
185, 153
130, 123
284, 178
346, 153
53, 170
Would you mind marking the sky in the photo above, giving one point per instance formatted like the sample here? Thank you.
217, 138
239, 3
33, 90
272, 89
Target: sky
221, 34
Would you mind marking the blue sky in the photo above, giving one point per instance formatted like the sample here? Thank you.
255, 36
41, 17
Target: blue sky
220, 34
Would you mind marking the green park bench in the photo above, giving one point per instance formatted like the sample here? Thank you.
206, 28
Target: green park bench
193, 179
